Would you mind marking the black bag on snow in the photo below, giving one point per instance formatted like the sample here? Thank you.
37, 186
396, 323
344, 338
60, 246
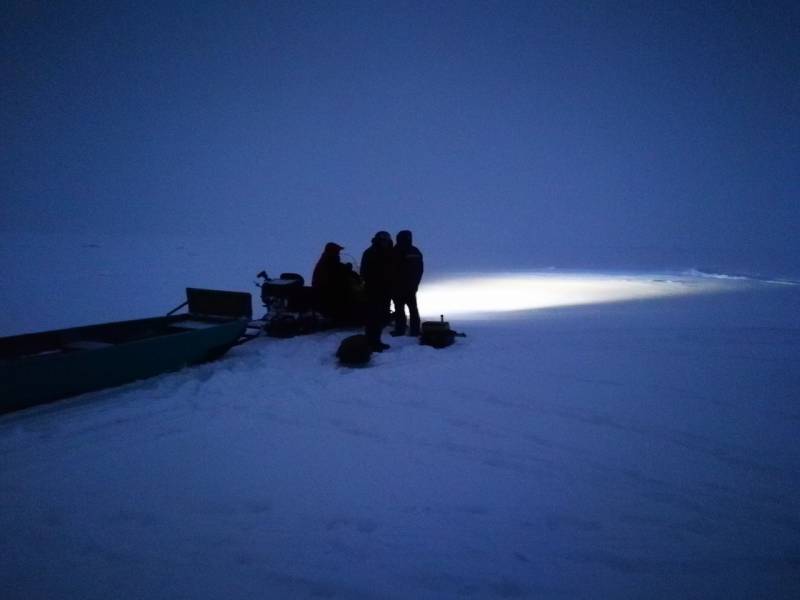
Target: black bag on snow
354, 351
437, 334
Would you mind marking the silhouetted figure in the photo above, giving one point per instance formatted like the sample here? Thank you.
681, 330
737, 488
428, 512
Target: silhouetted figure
408, 273
377, 270
333, 284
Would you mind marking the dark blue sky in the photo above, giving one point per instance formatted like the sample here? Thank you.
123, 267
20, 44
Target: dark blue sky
670, 130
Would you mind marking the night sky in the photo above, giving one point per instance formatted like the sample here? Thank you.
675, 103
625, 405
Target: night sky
663, 133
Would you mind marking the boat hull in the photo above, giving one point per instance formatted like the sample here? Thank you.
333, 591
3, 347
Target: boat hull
43, 367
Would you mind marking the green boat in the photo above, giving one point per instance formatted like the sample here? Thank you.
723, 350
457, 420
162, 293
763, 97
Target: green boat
42, 367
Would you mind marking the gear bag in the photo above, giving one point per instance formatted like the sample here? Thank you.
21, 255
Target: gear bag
438, 334
354, 351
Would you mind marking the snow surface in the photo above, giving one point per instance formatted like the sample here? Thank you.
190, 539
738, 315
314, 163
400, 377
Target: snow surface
633, 449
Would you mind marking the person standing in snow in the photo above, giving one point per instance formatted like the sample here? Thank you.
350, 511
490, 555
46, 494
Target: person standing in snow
377, 270
408, 273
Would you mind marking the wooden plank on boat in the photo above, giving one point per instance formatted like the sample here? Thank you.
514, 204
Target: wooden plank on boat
190, 324
87, 345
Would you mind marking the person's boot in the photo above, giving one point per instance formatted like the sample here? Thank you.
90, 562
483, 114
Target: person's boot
396, 332
413, 329
379, 347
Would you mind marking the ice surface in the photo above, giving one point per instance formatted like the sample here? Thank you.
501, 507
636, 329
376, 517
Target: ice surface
639, 449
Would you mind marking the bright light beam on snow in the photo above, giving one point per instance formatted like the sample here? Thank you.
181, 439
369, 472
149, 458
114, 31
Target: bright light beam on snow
485, 294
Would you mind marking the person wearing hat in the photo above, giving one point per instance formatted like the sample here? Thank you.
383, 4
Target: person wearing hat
377, 270
331, 281
409, 268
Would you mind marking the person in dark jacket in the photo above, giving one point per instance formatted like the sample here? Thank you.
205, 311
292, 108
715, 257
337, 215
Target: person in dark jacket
331, 282
377, 270
408, 273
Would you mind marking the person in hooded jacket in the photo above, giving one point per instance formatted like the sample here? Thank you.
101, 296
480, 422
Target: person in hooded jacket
331, 282
409, 267
377, 271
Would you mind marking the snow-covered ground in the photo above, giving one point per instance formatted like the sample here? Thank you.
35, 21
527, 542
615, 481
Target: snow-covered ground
642, 446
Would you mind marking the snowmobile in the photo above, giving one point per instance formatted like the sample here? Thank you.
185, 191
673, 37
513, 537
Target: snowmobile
291, 307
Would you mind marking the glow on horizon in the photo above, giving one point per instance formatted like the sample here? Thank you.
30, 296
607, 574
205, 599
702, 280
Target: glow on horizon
510, 292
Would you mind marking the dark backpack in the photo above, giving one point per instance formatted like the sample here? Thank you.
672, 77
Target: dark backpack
354, 351
437, 334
